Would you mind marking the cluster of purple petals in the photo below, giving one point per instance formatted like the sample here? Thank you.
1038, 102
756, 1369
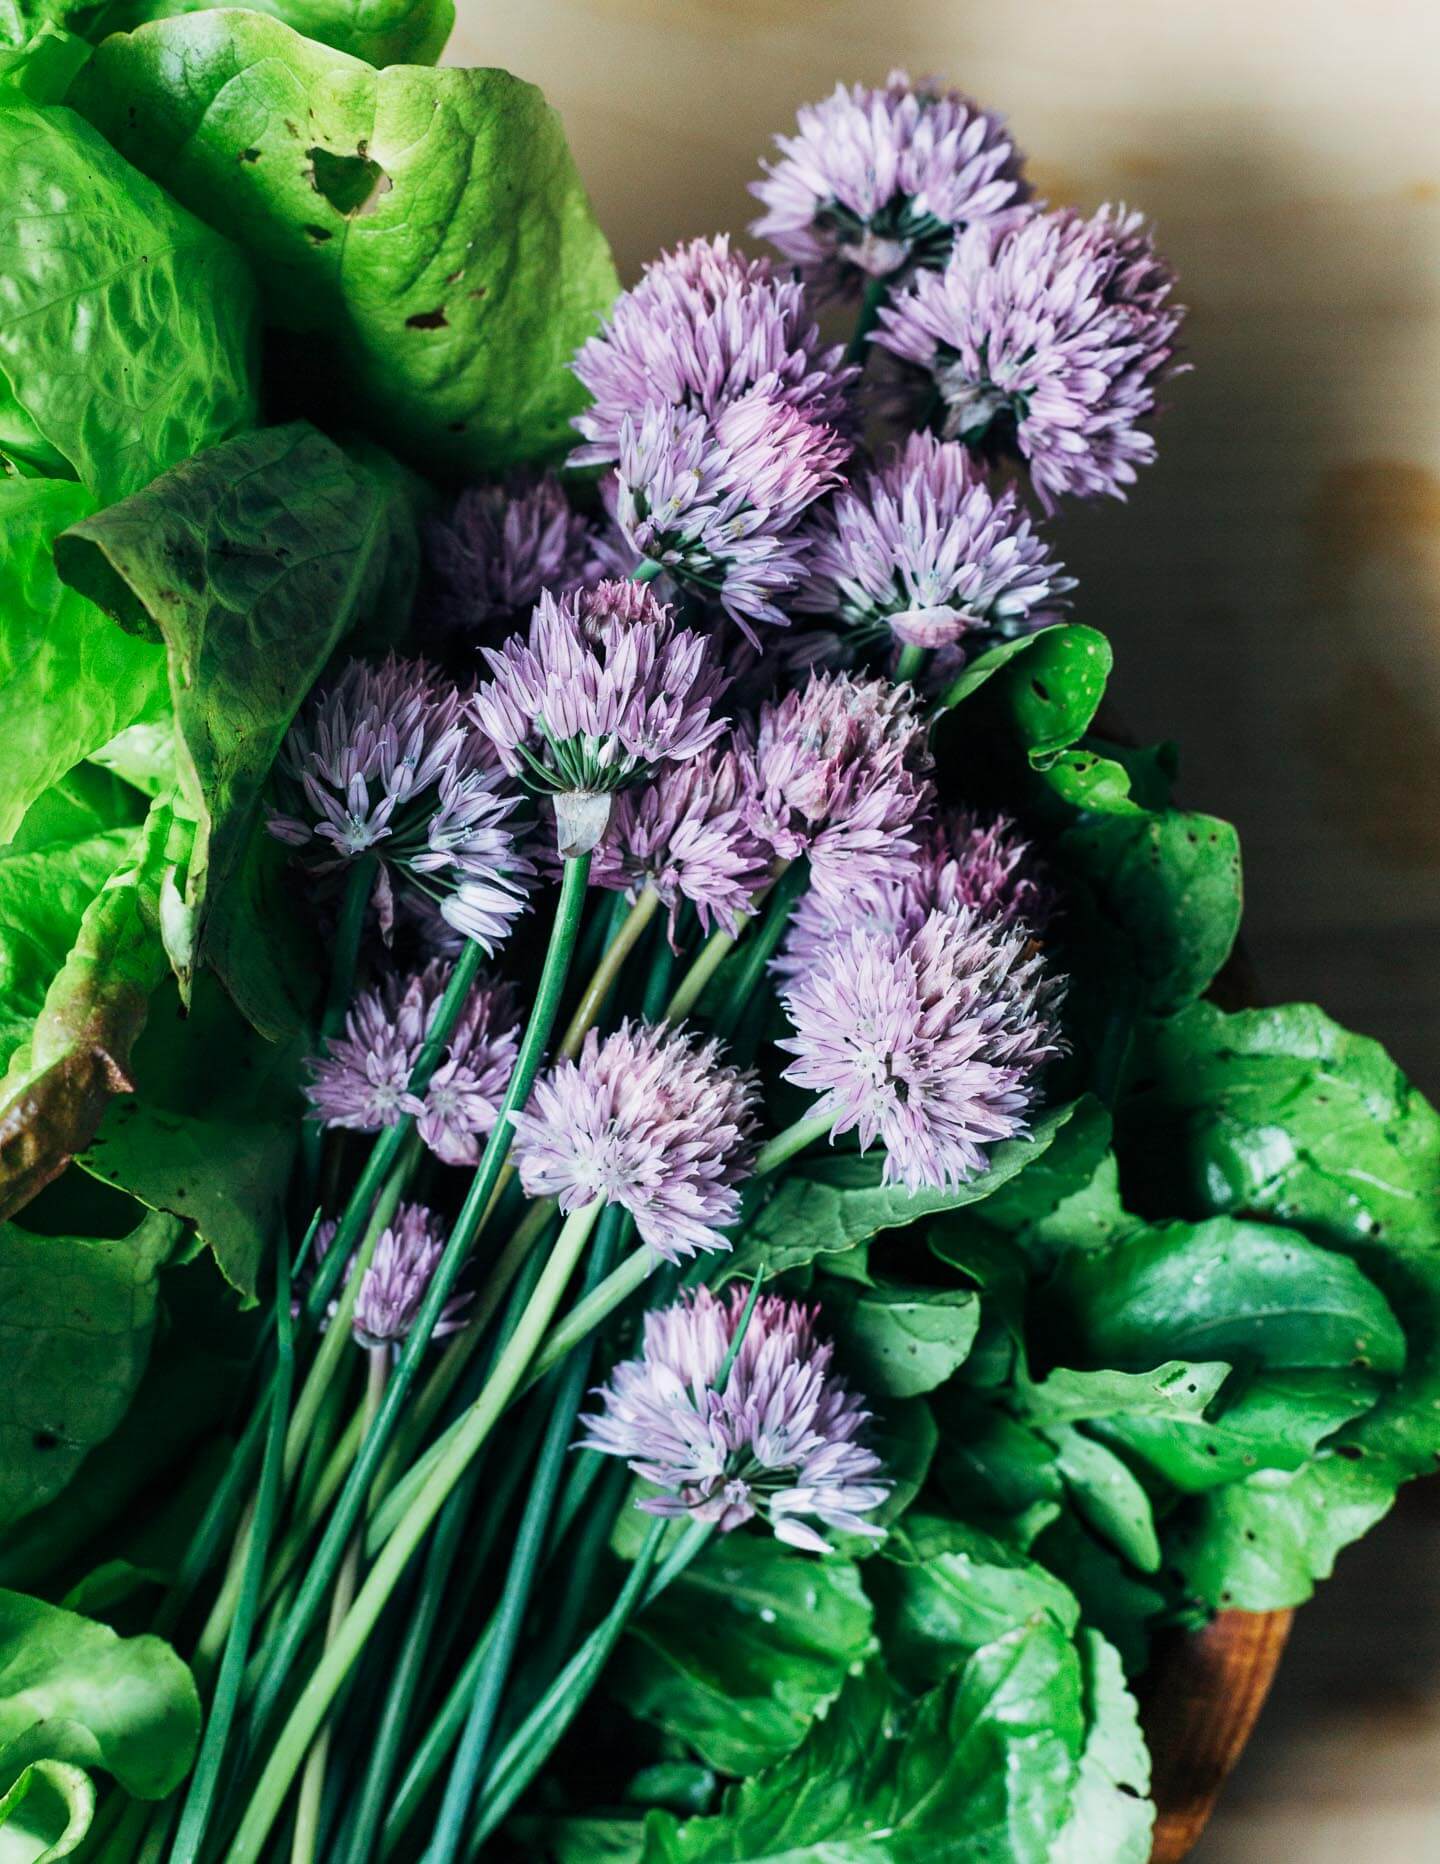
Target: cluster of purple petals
930, 1040
716, 500
649, 1118
875, 180
838, 777
1047, 340
502, 545
362, 1081
920, 548
387, 760
781, 1442
605, 670
724, 418
394, 1286
685, 835
704, 327
964, 859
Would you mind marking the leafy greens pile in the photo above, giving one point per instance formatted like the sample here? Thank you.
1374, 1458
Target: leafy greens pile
266, 293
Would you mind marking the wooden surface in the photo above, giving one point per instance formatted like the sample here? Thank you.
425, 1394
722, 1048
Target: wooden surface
1272, 588
1200, 1703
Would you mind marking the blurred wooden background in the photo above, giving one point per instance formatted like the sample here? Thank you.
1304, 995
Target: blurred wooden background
1272, 588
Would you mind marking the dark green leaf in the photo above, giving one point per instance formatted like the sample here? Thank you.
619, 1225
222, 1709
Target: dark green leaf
897, 1342
127, 330
995, 1471
1246, 1293
830, 1204
1050, 685
1107, 1496
740, 1655
944, 1588
428, 227
1166, 886
211, 1145
992, 1754
76, 1320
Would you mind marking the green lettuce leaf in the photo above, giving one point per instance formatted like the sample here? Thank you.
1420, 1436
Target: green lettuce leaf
78, 1001
250, 562
72, 1691
70, 680
128, 328
739, 1656
382, 32
426, 230
77, 1316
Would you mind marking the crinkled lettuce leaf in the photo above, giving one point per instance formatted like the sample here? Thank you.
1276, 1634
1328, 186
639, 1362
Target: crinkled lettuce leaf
70, 680
128, 328
424, 230
250, 563
76, 999
382, 32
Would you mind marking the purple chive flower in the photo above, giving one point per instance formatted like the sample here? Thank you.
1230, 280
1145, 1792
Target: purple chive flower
652, 1120
781, 1442
919, 549
717, 500
875, 181
393, 1287
931, 1041
685, 835
1046, 341
362, 1082
503, 544
705, 327
604, 689
836, 766
386, 761
982, 863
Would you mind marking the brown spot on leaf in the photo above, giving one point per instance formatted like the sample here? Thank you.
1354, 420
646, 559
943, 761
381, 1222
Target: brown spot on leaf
428, 320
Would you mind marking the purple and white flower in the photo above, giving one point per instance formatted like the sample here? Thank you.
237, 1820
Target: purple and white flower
387, 762
703, 328
393, 1287
716, 500
685, 835
875, 181
782, 1442
931, 1041
501, 546
980, 862
921, 551
362, 1081
1046, 342
602, 691
837, 777
649, 1118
